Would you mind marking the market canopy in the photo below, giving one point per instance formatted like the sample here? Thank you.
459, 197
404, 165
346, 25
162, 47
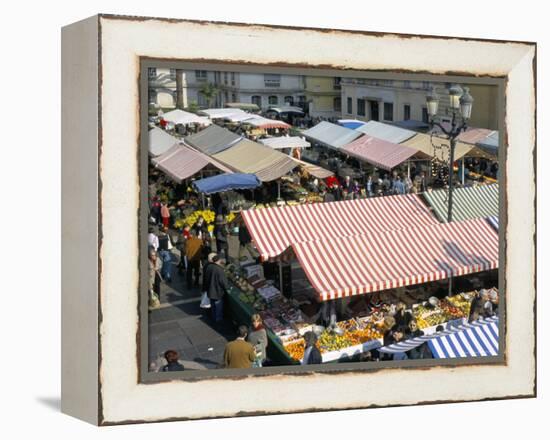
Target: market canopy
285, 142
451, 328
493, 221
479, 338
213, 139
243, 106
354, 265
469, 202
423, 142
412, 124
474, 135
181, 162
314, 170
247, 156
489, 144
286, 109
275, 229
178, 116
226, 182
160, 141
261, 122
382, 154
350, 123
331, 135
387, 132
220, 113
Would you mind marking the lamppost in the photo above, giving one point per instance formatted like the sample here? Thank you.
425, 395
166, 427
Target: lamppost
461, 103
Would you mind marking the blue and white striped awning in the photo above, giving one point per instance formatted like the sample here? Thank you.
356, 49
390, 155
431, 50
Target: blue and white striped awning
479, 338
493, 221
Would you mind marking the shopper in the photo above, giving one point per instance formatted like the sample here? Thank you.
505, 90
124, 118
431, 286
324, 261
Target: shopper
155, 265
245, 241
152, 239
221, 234
312, 355
173, 364
239, 353
216, 286
165, 214
258, 338
193, 254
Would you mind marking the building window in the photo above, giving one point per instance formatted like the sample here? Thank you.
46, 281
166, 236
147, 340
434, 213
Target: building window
425, 115
337, 104
233, 97
388, 111
426, 85
360, 107
289, 100
232, 78
173, 74
337, 84
273, 100
152, 72
272, 80
225, 78
407, 84
301, 100
387, 82
201, 75
350, 106
201, 100
256, 99
407, 112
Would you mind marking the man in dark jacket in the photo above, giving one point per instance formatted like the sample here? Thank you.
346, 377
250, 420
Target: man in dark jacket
216, 286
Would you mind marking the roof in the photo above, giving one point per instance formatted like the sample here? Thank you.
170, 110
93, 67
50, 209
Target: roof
480, 338
226, 182
246, 156
412, 124
261, 122
332, 135
380, 153
354, 265
386, 132
451, 328
285, 142
213, 139
423, 143
178, 116
181, 162
489, 144
314, 170
275, 229
469, 202
160, 141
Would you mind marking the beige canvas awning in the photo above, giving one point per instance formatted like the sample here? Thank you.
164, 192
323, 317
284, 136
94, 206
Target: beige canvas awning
250, 157
423, 143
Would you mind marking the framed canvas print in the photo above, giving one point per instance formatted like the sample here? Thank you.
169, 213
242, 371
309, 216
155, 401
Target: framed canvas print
262, 219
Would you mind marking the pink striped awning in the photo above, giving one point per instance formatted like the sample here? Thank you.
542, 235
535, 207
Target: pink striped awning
378, 152
181, 162
346, 266
274, 230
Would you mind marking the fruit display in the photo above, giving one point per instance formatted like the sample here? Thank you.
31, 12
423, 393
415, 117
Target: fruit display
462, 303
331, 342
296, 349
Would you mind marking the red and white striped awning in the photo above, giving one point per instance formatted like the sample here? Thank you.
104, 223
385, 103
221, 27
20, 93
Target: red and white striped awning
346, 266
274, 230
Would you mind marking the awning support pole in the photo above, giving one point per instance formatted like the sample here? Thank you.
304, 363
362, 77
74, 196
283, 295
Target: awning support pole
278, 189
409, 169
462, 174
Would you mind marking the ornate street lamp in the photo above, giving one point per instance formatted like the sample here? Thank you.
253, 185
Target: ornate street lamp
461, 103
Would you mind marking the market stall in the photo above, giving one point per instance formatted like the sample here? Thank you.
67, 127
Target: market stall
493, 221
226, 182
274, 230
331, 135
468, 203
213, 139
178, 116
181, 162
160, 141
386, 132
282, 142
479, 338
380, 153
